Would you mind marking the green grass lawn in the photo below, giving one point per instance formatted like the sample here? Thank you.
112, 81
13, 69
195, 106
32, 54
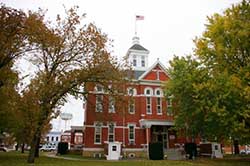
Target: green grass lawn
16, 159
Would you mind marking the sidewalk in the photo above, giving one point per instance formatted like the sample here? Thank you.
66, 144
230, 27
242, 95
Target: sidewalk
53, 155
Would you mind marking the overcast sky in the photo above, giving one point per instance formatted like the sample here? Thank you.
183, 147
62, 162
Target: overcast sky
168, 28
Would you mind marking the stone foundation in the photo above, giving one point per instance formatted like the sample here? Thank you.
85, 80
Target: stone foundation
126, 153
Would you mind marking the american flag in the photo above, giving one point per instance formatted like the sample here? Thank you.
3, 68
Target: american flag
139, 17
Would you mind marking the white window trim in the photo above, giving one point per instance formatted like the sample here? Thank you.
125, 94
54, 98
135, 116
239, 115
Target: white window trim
129, 103
95, 124
96, 89
134, 91
97, 103
161, 93
159, 104
113, 131
143, 61
134, 60
150, 99
151, 91
111, 109
169, 105
131, 141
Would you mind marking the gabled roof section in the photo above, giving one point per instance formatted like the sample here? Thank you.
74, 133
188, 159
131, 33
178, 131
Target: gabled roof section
138, 47
156, 65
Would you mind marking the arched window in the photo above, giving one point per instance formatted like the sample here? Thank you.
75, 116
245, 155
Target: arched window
148, 91
131, 91
158, 92
99, 89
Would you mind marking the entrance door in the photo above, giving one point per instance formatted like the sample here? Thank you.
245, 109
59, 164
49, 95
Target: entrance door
160, 134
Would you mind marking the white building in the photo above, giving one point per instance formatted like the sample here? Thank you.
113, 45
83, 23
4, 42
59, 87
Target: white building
53, 137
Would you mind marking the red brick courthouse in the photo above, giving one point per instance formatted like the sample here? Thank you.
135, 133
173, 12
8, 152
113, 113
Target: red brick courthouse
148, 116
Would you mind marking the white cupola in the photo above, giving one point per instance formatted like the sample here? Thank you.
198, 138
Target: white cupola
138, 55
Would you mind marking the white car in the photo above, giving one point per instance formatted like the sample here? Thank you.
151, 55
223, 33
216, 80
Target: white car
245, 151
48, 148
3, 148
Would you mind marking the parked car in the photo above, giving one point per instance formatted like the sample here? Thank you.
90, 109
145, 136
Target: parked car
48, 148
245, 151
3, 148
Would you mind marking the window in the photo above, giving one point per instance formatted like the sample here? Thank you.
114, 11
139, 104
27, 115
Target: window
111, 132
158, 92
148, 105
148, 91
143, 61
99, 88
134, 61
78, 139
56, 138
52, 139
169, 107
131, 133
47, 138
111, 104
99, 103
131, 91
158, 105
114, 148
131, 105
98, 133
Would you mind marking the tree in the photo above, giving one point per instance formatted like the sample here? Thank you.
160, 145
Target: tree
70, 57
189, 90
212, 89
26, 116
16, 28
8, 97
12, 24
225, 49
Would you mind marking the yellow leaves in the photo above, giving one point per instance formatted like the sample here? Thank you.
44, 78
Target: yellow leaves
236, 81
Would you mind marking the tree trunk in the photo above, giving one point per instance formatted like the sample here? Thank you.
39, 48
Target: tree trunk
37, 147
236, 147
22, 148
34, 142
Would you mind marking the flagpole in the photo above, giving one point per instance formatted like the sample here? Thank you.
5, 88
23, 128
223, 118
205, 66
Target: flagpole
135, 26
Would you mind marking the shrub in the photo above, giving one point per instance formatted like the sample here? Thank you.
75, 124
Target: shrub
62, 148
156, 151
